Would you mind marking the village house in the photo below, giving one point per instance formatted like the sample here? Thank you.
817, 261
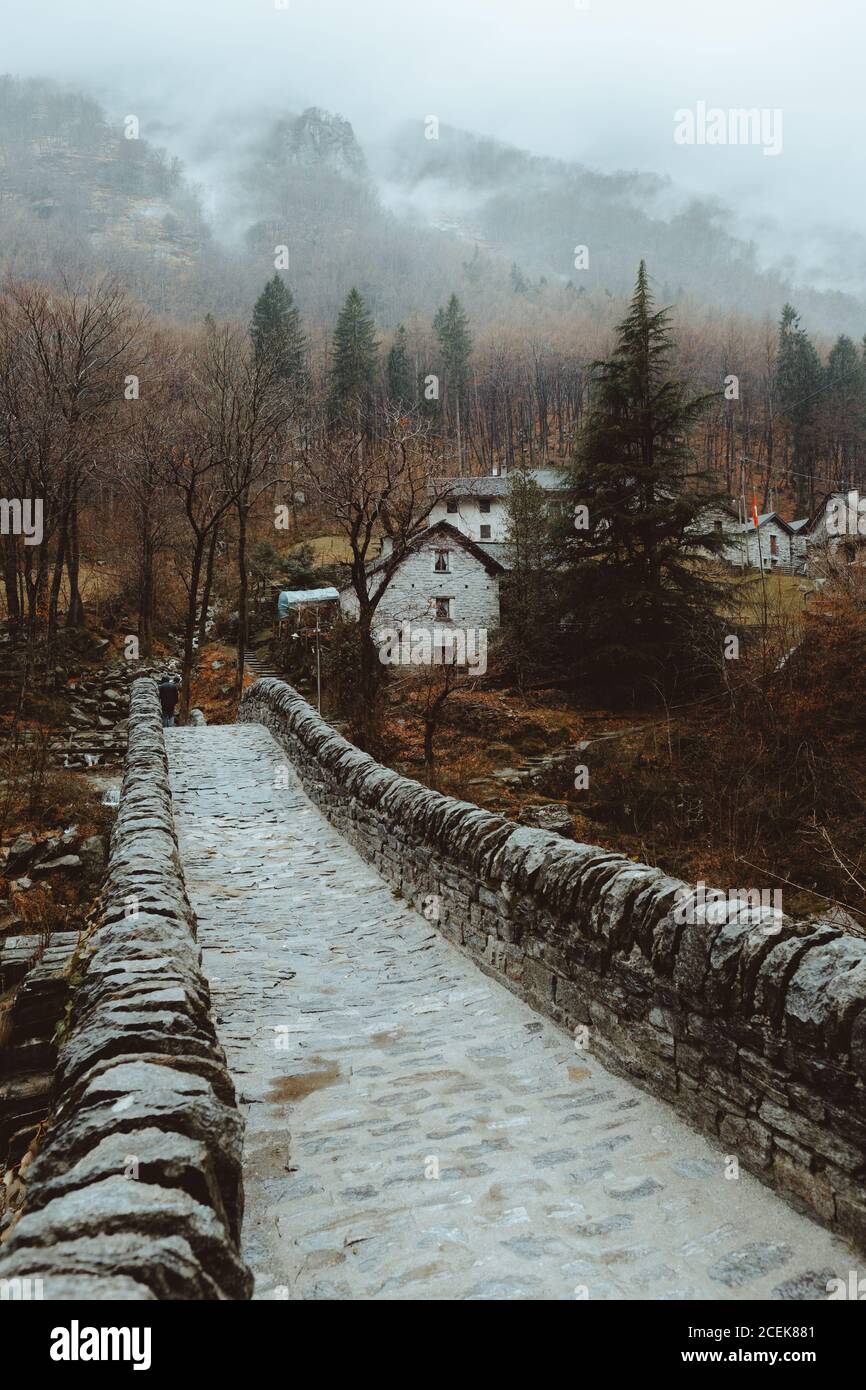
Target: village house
833, 535
478, 506
445, 580
774, 545
805, 546
451, 574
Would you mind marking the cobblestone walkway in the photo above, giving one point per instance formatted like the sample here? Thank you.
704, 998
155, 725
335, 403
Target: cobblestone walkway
369, 1054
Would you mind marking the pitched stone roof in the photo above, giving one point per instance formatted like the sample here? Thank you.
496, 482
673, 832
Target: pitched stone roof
445, 531
550, 479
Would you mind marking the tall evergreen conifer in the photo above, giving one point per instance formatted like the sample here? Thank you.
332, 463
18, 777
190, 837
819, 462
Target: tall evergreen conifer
354, 355
451, 327
398, 372
640, 601
276, 330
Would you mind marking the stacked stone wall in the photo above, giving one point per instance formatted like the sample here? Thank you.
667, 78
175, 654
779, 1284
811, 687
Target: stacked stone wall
137, 1192
754, 1029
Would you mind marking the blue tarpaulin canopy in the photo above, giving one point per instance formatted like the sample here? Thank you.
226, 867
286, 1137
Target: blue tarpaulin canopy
293, 598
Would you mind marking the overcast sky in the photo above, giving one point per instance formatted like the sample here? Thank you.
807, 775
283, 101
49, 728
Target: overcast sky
598, 84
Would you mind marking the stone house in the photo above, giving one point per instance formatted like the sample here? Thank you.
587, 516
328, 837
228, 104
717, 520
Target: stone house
452, 573
835, 534
771, 544
445, 579
775, 544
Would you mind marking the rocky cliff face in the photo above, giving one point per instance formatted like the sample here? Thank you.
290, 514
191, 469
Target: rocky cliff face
75, 188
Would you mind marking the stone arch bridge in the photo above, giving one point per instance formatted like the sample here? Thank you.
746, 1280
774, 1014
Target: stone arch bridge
337, 1036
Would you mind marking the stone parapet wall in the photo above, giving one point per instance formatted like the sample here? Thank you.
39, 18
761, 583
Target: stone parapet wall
137, 1192
753, 1029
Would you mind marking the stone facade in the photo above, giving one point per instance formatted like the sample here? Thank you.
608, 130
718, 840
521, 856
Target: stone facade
136, 1192
470, 584
757, 1037
777, 549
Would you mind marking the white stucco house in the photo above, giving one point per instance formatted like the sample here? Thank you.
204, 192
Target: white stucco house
477, 506
451, 574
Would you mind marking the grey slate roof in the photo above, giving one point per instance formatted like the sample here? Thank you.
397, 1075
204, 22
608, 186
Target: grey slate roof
498, 551
551, 479
763, 518
486, 553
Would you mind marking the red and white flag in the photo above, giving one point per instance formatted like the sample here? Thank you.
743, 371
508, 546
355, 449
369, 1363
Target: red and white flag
755, 510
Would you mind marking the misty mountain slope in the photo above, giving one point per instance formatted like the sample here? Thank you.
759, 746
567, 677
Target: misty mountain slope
466, 214
536, 211
77, 195
303, 183
408, 223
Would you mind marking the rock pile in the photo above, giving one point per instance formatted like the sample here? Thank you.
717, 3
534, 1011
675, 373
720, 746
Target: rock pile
97, 719
554, 816
30, 858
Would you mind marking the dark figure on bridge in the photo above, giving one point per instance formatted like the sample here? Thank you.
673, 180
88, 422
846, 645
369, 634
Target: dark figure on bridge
168, 698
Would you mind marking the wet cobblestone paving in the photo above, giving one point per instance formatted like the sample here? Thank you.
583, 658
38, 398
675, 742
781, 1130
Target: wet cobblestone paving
370, 1055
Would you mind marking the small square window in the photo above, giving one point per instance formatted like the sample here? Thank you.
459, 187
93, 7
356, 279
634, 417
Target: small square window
451, 505
485, 533
484, 504
442, 563
443, 610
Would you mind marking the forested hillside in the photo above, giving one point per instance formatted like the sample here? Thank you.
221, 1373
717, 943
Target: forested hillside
407, 221
77, 195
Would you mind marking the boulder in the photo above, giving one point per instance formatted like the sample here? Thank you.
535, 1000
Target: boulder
63, 864
554, 817
21, 853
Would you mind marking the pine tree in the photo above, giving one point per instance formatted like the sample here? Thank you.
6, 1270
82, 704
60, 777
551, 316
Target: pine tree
844, 415
451, 327
354, 355
639, 602
799, 381
398, 372
276, 330
528, 637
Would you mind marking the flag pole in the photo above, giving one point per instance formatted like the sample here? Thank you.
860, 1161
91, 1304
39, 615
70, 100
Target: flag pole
760, 562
